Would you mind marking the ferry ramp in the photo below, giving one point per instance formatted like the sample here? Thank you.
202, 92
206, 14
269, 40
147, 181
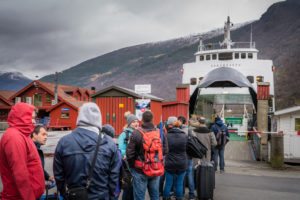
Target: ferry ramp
238, 150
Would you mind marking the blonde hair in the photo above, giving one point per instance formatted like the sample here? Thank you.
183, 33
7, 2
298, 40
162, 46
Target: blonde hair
126, 114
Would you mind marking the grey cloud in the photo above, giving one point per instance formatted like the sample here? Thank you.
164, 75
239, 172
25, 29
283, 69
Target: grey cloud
41, 37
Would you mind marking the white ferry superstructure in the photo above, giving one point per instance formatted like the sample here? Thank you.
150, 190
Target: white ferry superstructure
241, 56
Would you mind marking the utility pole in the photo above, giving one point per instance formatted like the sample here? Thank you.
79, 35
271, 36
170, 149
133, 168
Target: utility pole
55, 88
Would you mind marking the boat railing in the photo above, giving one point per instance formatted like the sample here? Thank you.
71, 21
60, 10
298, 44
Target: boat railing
235, 45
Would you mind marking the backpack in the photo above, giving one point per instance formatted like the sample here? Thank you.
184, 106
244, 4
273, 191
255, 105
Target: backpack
221, 137
153, 165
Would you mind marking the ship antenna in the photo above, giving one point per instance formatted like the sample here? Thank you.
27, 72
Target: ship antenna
251, 37
227, 43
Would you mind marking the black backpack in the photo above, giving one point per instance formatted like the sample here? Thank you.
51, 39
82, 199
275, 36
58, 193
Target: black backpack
221, 136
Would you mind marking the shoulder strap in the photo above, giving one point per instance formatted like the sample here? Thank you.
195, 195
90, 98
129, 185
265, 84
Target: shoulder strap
190, 132
161, 132
127, 137
94, 161
224, 129
217, 127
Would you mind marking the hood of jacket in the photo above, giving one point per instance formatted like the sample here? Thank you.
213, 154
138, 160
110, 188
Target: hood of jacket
220, 123
86, 139
20, 117
89, 116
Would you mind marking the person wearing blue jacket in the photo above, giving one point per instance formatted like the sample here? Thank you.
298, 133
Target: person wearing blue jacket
74, 155
219, 149
132, 124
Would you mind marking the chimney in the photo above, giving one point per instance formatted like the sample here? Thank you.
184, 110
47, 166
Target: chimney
183, 92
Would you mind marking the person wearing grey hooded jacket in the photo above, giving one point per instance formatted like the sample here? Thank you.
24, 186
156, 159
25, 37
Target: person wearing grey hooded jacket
74, 155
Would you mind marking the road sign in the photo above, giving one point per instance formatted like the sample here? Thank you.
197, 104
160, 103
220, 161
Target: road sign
141, 105
142, 89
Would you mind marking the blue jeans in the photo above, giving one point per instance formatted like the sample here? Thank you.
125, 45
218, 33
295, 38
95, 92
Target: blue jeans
190, 175
141, 182
178, 184
219, 153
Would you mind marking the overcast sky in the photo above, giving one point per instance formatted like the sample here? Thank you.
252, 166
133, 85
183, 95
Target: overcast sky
39, 37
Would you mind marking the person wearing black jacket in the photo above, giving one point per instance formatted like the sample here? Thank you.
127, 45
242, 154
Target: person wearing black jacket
135, 151
39, 137
176, 158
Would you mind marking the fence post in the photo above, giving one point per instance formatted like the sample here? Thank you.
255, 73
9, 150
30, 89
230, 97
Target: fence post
277, 160
262, 116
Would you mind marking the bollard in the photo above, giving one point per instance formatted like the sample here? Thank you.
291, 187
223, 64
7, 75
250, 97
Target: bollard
277, 151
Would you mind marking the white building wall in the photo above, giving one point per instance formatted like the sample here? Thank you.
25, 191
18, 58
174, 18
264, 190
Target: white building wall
286, 123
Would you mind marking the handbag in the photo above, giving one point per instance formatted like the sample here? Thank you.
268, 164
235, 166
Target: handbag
125, 177
79, 192
195, 148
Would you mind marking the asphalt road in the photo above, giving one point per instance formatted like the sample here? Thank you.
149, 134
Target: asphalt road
236, 186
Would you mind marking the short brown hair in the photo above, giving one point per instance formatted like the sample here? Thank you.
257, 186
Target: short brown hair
147, 116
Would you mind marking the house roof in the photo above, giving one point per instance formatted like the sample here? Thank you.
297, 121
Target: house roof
174, 103
287, 110
7, 94
61, 91
127, 91
78, 104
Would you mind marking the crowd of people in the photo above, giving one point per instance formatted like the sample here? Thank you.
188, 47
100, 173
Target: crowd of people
90, 161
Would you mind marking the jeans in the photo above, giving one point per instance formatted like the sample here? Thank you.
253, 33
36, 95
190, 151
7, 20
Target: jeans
178, 184
190, 175
219, 152
161, 184
141, 182
128, 194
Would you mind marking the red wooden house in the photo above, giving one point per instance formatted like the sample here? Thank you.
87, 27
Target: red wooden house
114, 101
42, 96
5, 104
180, 107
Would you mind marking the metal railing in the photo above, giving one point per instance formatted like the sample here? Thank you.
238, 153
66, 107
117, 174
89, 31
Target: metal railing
3, 126
236, 45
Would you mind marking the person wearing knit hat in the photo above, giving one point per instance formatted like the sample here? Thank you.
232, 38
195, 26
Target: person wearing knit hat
109, 130
171, 120
75, 151
131, 118
132, 123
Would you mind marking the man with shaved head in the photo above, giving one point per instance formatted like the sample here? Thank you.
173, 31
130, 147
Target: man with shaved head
207, 138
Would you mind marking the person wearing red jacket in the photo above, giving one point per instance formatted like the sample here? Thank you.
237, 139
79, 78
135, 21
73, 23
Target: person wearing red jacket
20, 165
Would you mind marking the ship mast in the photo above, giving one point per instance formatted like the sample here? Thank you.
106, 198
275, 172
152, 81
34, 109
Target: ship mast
227, 42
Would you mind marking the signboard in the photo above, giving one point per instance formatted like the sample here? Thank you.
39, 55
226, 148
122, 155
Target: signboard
234, 120
65, 109
142, 89
141, 105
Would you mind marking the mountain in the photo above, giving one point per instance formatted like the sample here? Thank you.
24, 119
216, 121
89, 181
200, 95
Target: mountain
13, 81
276, 35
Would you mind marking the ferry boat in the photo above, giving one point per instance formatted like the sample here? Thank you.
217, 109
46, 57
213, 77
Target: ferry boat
214, 63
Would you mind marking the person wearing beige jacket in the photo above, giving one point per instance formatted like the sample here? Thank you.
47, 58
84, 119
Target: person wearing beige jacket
207, 138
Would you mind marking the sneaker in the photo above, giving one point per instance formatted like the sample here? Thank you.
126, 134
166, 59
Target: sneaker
222, 171
192, 198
